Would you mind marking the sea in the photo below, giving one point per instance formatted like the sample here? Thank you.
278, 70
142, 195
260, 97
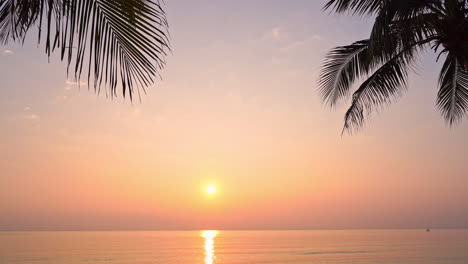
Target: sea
237, 247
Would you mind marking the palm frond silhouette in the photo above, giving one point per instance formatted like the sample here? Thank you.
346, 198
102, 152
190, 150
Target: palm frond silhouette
119, 43
402, 28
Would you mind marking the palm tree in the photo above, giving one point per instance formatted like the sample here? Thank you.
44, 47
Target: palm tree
120, 43
401, 30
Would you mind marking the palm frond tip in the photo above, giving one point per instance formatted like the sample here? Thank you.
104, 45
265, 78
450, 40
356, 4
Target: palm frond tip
119, 43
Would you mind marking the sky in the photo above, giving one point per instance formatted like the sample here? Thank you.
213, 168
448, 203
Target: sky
237, 107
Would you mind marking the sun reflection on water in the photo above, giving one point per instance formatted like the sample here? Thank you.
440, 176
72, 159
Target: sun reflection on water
209, 236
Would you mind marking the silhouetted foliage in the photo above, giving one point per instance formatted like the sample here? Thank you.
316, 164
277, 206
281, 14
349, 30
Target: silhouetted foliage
119, 42
401, 29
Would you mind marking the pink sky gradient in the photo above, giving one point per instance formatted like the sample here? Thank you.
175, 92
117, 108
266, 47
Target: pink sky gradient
238, 106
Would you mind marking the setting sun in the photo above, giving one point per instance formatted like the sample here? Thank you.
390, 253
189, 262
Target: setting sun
211, 189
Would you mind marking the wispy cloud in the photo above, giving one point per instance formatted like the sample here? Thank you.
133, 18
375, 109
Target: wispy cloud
317, 37
288, 41
299, 44
276, 34
32, 116
72, 84
7, 52
28, 114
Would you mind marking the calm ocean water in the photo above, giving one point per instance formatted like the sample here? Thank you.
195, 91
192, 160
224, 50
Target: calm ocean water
226, 247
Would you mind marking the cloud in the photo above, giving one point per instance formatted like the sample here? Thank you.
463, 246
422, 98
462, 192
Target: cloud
297, 45
7, 52
32, 116
301, 45
29, 115
288, 41
276, 34
317, 37
69, 85
72, 84
68, 82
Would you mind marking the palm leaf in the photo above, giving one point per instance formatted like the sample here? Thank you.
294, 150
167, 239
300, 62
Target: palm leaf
400, 29
385, 84
119, 42
390, 8
452, 99
342, 66
354, 6
400, 24
16, 17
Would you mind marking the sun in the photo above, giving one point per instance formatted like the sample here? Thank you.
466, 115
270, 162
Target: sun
211, 189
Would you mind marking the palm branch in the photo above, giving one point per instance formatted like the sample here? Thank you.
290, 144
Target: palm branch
341, 68
119, 43
400, 30
386, 83
452, 98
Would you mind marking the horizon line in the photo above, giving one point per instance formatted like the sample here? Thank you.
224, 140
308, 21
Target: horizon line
229, 229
